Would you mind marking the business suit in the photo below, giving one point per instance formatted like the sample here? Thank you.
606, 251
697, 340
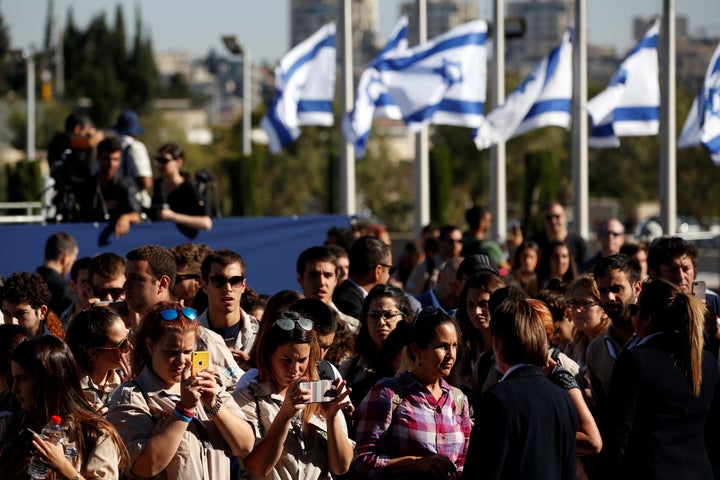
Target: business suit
348, 298
524, 428
657, 425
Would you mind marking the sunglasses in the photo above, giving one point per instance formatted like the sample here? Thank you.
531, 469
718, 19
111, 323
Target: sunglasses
219, 281
288, 324
384, 314
114, 293
170, 314
122, 347
163, 160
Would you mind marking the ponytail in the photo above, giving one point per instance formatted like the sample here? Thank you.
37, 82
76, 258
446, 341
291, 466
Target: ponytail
690, 313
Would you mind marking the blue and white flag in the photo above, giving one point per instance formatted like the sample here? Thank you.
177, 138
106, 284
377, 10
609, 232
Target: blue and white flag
304, 89
542, 99
630, 105
442, 81
703, 122
373, 100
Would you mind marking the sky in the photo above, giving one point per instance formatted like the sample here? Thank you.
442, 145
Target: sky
196, 26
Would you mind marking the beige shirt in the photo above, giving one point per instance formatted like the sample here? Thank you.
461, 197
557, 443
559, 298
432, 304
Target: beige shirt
226, 369
103, 462
203, 453
304, 455
95, 394
249, 327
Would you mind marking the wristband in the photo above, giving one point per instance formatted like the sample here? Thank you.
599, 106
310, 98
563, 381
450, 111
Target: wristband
182, 417
216, 407
182, 409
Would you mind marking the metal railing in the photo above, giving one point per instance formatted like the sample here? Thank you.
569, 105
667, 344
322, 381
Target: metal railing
22, 212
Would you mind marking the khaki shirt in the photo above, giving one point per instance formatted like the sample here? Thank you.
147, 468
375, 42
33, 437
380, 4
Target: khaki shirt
304, 455
249, 327
600, 357
200, 455
95, 394
103, 462
227, 372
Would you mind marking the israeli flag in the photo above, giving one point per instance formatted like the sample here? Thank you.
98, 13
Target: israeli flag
703, 122
372, 99
542, 99
304, 89
630, 105
442, 81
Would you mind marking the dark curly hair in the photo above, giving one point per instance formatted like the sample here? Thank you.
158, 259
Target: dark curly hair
24, 287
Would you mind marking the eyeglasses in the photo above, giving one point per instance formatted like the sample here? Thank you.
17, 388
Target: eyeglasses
164, 160
288, 324
582, 304
122, 347
186, 276
219, 281
114, 293
610, 233
170, 314
386, 315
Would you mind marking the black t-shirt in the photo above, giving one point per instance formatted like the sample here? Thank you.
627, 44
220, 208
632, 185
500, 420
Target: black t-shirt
116, 198
183, 199
229, 334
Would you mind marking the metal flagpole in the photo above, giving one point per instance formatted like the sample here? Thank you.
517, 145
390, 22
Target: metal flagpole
668, 152
422, 146
580, 122
498, 192
347, 154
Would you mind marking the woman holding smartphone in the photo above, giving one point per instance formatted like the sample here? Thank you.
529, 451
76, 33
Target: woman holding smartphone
101, 344
176, 425
294, 438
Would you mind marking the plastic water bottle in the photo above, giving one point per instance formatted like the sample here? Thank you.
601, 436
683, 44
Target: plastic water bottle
53, 433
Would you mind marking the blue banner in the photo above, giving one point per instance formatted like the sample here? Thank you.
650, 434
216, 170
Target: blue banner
269, 245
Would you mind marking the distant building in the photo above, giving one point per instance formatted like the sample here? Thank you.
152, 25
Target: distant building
307, 16
442, 15
545, 23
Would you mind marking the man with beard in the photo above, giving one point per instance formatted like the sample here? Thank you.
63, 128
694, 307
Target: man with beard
618, 281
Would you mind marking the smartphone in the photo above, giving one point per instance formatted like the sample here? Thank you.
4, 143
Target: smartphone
320, 390
699, 289
200, 361
120, 306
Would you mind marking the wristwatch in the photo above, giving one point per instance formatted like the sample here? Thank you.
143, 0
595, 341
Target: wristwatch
216, 407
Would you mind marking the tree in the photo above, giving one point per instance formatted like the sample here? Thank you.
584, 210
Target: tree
4, 49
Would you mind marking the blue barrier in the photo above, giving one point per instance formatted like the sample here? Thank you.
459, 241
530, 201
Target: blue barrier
269, 245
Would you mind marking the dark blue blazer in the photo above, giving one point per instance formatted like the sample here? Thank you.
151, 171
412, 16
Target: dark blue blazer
657, 426
524, 429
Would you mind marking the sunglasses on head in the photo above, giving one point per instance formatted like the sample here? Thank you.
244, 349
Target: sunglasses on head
114, 293
219, 281
170, 314
288, 324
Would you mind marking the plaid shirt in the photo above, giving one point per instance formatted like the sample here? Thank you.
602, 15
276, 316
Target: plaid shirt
420, 426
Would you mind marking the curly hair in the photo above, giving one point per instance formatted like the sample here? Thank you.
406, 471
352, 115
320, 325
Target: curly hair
24, 287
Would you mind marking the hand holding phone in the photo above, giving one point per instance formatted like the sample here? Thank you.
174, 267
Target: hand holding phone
699, 289
200, 361
320, 390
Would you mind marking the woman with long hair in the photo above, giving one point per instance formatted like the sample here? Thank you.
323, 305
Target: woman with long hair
101, 344
588, 317
662, 390
416, 425
560, 265
473, 317
176, 423
293, 438
383, 309
46, 382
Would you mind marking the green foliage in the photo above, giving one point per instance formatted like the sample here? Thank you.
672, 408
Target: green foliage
25, 181
440, 184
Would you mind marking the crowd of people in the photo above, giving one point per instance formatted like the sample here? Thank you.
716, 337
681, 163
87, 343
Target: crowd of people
460, 359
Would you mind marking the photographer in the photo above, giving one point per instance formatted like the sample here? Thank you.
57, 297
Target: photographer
70, 156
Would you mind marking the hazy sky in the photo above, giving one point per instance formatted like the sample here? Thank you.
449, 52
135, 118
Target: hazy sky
196, 25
